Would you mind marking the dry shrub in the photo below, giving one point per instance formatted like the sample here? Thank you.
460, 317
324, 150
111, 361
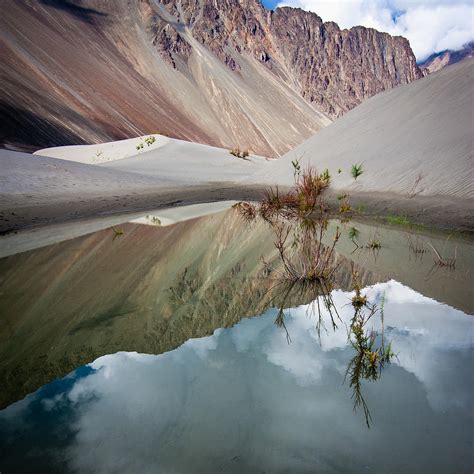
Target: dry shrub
299, 218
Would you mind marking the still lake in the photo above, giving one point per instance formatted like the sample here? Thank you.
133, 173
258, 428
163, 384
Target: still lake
157, 351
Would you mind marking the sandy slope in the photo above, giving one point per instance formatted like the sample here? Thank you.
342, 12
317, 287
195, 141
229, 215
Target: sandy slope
96, 154
422, 130
38, 190
169, 158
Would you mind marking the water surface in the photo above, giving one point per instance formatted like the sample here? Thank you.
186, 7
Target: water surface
157, 351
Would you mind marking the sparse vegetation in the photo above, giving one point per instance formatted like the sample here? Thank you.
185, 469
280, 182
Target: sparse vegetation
345, 207
398, 220
296, 167
154, 220
369, 359
326, 176
449, 262
416, 188
356, 170
148, 140
117, 232
353, 234
299, 219
239, 153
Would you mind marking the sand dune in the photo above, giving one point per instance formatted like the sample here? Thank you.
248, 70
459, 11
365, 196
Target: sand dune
169, 158
38, 190
415, 139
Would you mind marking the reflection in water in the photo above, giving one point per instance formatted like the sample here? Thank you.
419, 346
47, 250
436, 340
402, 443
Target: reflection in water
148, 291
249, 398
244, 400
370, 358
372, 352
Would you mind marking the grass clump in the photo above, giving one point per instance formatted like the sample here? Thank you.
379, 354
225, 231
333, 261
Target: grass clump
374, 244
325, 175
356, 170
353, 234
239, 153
247, 210
150, 140
299, 219
398, 220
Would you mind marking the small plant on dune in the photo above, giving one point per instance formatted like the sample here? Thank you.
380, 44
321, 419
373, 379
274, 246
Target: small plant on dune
339, 171
296, 167
150, 140
356, 170
155, 220
117, 232
239, 153
345, 207
325, 175
140, 146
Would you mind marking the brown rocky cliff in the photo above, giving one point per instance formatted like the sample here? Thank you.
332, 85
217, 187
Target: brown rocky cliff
334, 69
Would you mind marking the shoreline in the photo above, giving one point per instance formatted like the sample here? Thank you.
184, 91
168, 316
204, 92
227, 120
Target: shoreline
25, 212
65, 217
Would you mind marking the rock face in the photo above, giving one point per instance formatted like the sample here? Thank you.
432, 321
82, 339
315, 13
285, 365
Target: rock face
440, 60
227, 73
333, 69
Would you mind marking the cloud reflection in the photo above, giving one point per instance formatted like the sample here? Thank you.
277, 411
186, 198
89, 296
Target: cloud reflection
244, 399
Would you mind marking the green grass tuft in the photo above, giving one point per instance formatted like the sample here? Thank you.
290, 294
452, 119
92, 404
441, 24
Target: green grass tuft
356, 170
398, 220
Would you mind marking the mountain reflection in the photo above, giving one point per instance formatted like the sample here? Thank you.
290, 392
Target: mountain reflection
147, 291
244, 400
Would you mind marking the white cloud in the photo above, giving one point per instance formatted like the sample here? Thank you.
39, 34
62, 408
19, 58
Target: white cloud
430, 25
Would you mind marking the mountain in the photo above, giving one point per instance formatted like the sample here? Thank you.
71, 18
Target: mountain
227, 73
445, 58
